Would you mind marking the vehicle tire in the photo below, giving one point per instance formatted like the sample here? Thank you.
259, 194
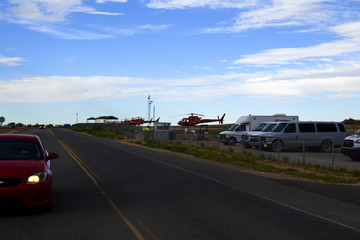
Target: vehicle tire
277, 146
355, 159
266, 148
326, 146
246, 145
226, 142
232, 141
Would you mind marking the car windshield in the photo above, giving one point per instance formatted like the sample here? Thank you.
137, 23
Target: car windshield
269, 127
19, 149
260, 127
358, 132
237, 128
233, 127
279, 127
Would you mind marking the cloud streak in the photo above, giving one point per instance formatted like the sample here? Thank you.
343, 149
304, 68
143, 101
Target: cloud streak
52, 17
10, 61
47, 11
183, 4
349, 43
279, 13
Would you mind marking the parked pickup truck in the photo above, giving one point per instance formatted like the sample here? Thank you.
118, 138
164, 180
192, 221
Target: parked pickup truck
351, 146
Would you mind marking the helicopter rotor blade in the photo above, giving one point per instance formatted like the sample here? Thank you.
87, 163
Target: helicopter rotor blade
197, 114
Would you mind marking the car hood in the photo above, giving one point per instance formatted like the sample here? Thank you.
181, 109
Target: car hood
353, 137
226, 132
20, 168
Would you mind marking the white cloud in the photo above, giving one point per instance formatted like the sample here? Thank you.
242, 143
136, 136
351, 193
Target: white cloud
312, 15
67, 33
342, 95
51, 11
349, 43
105, 1
70, 59
154, 27
181, 4
206, 68
67, 89
10, 61
130, 31
51, 17
283, 13
41, 10
336, 81
90, 10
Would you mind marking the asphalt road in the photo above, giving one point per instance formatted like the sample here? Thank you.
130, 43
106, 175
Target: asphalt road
106, 190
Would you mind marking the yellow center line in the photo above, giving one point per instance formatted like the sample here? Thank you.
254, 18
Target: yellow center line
51, 132
152, 235
78, 159
123, 217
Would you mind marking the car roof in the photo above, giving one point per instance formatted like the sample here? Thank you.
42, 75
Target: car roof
18, 136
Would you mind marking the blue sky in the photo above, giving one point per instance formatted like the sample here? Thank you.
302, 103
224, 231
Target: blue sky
63, 61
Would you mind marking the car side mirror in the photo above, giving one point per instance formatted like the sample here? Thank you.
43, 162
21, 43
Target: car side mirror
52, 156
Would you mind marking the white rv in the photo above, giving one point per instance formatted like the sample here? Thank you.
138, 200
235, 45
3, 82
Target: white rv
246, 124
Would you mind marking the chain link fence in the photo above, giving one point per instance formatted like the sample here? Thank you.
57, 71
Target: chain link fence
204, 136
305, 153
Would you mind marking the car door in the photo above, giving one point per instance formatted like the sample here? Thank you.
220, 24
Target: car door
290, 135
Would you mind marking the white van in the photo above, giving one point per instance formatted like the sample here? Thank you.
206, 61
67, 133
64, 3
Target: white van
246, 124
253, 138
310, 134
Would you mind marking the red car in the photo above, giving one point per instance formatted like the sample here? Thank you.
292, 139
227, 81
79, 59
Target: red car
25, 175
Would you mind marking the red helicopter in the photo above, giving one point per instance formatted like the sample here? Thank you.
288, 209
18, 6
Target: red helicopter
138, 121
195, 119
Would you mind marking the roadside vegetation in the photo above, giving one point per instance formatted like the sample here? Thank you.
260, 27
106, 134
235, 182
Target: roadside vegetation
98, 132
13, 131
263, 163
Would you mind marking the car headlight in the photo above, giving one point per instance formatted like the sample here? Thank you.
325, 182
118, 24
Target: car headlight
37, 178
357, 141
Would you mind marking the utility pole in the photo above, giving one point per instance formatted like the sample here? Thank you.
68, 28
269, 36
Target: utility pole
149, 106
154, 113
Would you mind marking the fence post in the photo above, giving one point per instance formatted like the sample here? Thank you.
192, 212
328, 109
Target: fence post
303, 157
259, 147
278, 149
333, 154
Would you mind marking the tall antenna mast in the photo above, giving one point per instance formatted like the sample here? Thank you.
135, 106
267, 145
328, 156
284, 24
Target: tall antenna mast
149, 106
